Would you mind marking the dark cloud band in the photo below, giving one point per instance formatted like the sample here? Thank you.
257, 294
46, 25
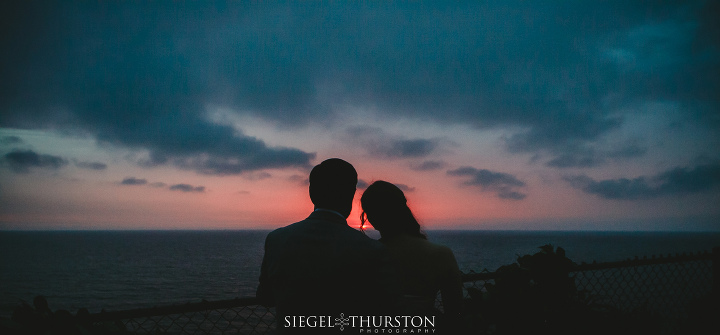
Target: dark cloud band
91, 165
678, 181
187, 188
136, 75
21, 161
133, 181
505, 185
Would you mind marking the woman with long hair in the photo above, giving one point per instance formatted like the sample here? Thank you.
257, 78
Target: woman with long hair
424, 267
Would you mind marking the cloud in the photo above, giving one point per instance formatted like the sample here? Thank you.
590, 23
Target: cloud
410, 148
380, 144
187, 188
10, 140
144, 94
296, 178
257, 175
227, 156
362, 184
133, 181
505, 185
428, 165
176, 187
560, 128
481, 64
588, 157
677, 181
405, 188
91, 165
579, 161
21, 161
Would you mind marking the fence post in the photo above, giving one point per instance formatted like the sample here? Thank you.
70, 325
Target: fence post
716, 270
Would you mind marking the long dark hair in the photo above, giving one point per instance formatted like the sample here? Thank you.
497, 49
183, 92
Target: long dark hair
385, 206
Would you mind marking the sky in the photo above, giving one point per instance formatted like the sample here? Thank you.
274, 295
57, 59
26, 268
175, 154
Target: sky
567, 115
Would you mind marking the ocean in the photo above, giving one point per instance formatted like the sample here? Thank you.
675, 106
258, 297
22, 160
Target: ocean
117, 270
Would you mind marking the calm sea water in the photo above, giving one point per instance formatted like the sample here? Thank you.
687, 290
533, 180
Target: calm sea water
117, 270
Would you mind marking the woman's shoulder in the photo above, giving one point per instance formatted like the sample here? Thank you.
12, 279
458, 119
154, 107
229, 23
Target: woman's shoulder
421, 243
441, 249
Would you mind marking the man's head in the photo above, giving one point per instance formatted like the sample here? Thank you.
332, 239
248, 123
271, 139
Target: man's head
332, 185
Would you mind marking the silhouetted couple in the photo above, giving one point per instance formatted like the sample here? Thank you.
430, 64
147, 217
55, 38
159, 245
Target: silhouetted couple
320, 267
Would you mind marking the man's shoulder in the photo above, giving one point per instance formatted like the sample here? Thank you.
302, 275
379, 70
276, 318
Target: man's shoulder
293, 227
322, 228
284, 231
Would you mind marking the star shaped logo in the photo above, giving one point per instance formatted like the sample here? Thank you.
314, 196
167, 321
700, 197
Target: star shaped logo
342, 321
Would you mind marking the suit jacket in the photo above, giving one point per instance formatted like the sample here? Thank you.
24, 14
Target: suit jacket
321, 266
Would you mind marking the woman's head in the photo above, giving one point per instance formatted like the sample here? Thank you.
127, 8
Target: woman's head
384, 205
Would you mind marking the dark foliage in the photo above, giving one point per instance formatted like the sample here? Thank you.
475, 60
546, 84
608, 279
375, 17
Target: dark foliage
537, 295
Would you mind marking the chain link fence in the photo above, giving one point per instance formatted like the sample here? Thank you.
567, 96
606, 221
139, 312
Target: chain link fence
663, 286
658, 293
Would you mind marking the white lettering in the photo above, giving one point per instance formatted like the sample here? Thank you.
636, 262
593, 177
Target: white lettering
366, 324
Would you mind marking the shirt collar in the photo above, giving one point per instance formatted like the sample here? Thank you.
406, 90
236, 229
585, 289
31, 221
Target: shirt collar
330, 211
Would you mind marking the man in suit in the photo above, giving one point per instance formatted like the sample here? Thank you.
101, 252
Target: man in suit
320, 266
